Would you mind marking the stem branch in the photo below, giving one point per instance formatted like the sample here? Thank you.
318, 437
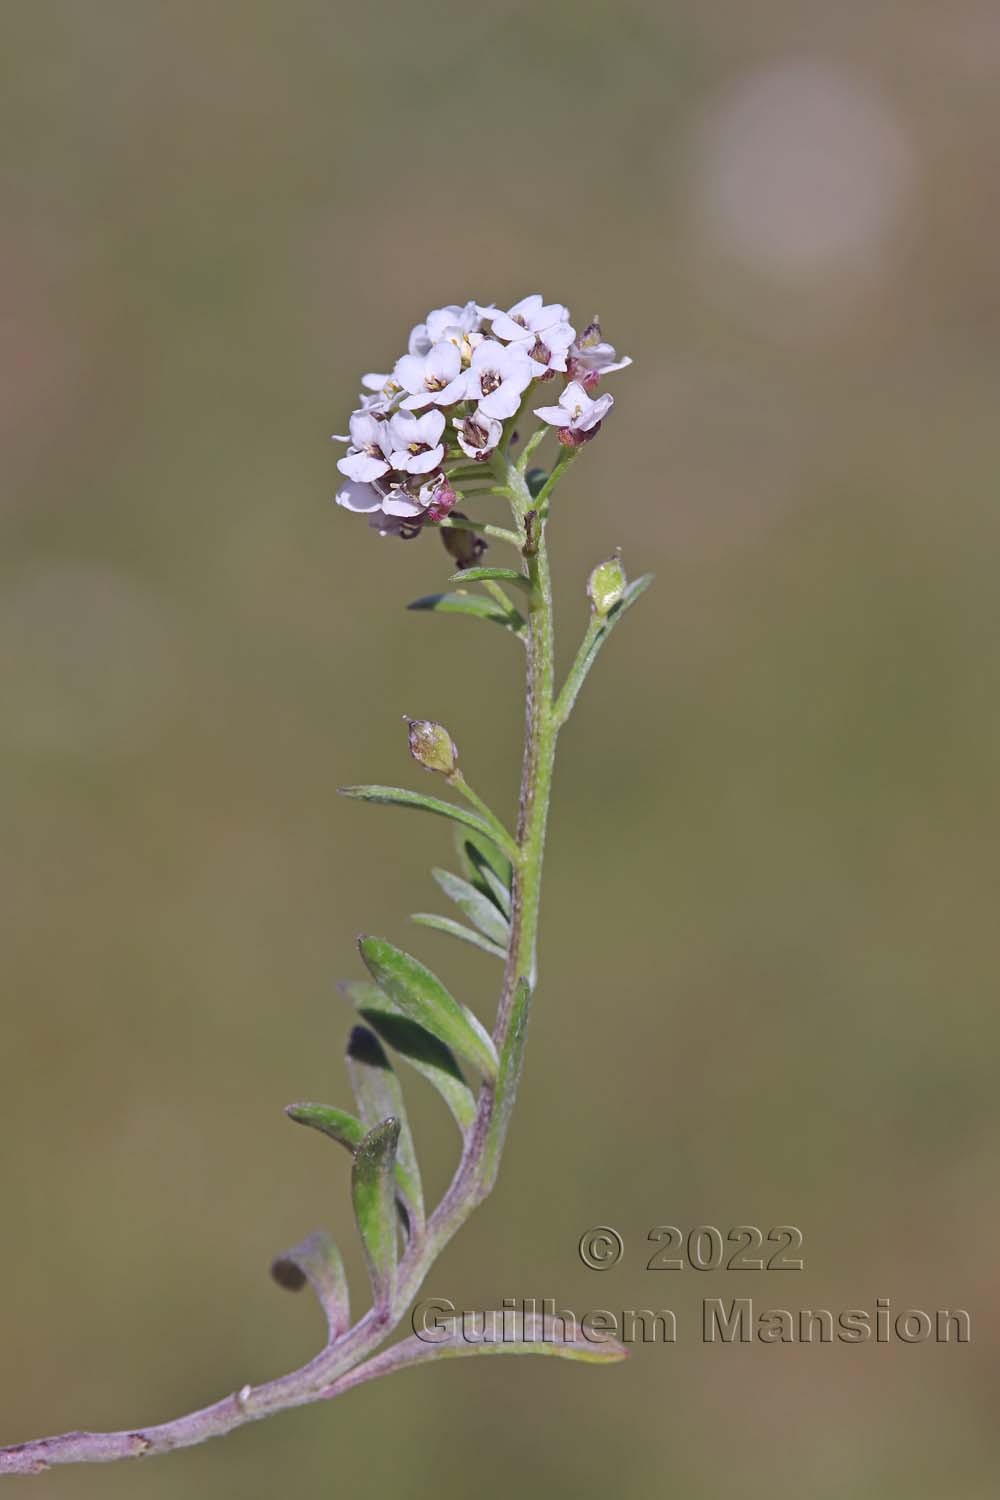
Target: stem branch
477, 1170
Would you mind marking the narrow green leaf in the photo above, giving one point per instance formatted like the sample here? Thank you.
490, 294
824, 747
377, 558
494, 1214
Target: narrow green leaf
424, 1052
480, 909
340, 1126
458, 930
377, 1090
491, 575
396, 796
422, 996
447, 1338
373, 1192
480, 605
317, 1261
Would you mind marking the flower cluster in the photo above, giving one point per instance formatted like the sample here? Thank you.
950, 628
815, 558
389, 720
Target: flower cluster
454, 399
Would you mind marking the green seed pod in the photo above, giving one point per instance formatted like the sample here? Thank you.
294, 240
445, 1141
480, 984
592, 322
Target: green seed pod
606, 586
432, 746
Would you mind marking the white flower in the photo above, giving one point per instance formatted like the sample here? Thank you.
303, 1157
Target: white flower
358, 497
367, 457
478, 435
440, 323
416, 442
529, 316
498, 378
548, 350
542, 329
577, 414
590, 357
435, 376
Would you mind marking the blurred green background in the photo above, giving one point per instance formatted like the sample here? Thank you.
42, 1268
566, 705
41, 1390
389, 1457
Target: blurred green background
768, 955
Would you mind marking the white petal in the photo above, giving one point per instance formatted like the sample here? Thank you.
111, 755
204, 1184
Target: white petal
504, 401
527, 309
429, 427
419, 341
399, 503
451, 393
488, 354
574, 396
423, 463
409, 371
442, 363
358, 497
362, 467
556, 416
504, 327
597, 412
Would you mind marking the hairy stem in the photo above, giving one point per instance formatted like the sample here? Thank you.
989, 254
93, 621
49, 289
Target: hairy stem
477, 1170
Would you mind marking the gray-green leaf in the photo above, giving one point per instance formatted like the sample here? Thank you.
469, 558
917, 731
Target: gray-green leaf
482, 606
373, 1192
377, 1090
481, 910
458, 930
491, 575
422, 996
397, 796
340, 1126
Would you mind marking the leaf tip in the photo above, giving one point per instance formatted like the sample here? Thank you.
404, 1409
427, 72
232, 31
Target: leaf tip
287, 1274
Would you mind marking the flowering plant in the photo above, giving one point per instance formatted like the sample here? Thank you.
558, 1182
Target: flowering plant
448, 427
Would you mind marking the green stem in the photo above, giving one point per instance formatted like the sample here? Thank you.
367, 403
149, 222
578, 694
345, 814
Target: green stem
541, 731
576, 677
500, 533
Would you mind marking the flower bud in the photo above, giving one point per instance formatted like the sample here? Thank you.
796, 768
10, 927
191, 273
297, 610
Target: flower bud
432, 746
465, 547
606, 586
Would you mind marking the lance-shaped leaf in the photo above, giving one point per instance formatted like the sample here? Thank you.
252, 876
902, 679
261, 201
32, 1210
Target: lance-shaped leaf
373, 1191
338, 1124
431, 1058
396, 796
482, 606
377, 1090
317, 1261
422, 996
450, 1336
491, 575
487, 869
481, 910
458, 930
348, 1131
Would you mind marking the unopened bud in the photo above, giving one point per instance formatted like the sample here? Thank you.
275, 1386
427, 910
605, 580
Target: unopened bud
464, 546
606, 586
432, 746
